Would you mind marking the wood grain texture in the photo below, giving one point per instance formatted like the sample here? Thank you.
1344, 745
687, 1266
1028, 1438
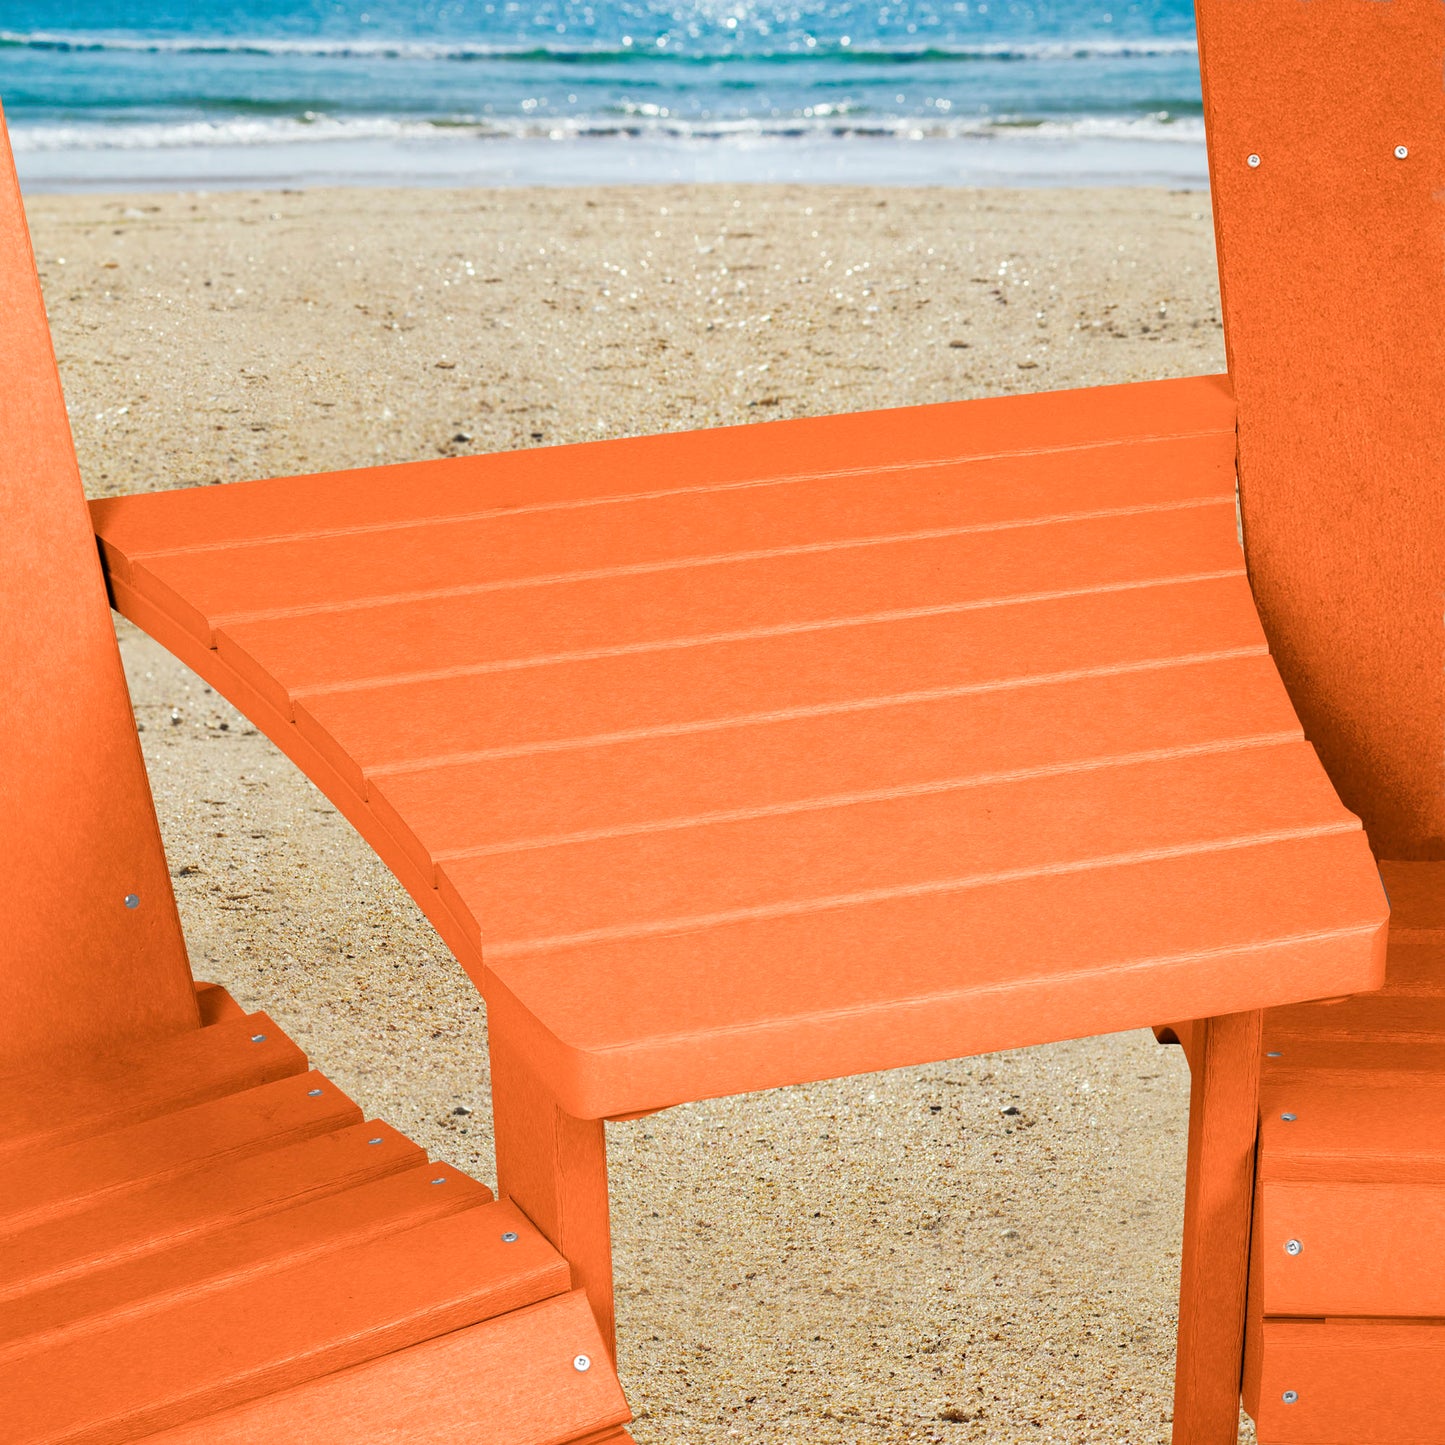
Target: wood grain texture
510, 1381
674, 880
629, 718
1357, 1382
1363, 1249
1331, 251
765, 765
80, 832
1376, 1118
1218, 1204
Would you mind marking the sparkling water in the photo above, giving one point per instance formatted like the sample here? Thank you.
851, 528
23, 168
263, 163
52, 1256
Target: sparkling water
761, 79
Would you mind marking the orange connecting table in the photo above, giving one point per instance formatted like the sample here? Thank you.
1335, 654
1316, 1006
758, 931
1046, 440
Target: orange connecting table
736, 759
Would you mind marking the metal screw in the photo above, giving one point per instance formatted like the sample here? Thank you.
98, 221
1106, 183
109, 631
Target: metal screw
1289, 1118
1292, 1246
1401, 152
132, 900
442, 1180
510, 1237
258, 1038
313, 1093
1273, 1054
1253, 161
581, 1362
373, 1141
1290, 1396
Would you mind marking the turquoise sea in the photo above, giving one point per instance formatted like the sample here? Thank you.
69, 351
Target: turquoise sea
106, 91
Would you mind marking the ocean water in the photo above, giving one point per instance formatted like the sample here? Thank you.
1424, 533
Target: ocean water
100, 91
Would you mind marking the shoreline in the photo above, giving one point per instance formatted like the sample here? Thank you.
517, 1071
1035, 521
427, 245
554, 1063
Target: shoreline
462, 160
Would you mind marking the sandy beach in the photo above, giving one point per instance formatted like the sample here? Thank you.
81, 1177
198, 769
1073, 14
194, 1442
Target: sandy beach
983, 1250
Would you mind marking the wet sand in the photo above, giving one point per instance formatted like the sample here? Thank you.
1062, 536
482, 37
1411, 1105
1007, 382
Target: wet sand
900, 1257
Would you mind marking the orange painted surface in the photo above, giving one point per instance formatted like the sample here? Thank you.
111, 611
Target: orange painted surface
228, 1192
50, 1183
269, 1331
760, 758
554, 1167
183, 1261
636, 786
1350, 1226
894, 443
420, 884
92, 1302
43, 1111
1356, 1382
507, 1382
215, 1004
1332, 250
1332, 268
79, 832
1214, 1269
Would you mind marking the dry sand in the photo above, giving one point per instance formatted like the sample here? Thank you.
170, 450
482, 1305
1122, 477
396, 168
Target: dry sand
882, 1259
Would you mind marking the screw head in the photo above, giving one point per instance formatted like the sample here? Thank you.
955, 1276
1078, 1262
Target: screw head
441, 1180
1292, 1246
1401, 152
132, 900
1273, 1054
373, 1141
258, 1038
510, 1237
1289, 1118
581, 1363
1290, 1396
1253, 161
313, 1093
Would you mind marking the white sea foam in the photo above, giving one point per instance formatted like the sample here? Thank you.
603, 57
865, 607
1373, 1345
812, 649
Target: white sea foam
245, 131
237, 131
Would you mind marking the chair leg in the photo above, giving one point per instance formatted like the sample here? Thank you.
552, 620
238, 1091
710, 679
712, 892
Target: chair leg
554, 1168
1218, 1201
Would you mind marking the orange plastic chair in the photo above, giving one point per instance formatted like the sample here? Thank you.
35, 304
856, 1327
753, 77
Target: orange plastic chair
201, 1242
1326, 125
744, 758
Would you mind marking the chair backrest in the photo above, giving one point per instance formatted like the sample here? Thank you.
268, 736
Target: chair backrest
1326, 130
91, 953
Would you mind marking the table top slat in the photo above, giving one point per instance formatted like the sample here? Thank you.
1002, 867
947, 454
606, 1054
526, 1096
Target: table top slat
759, 1002
505, 804
389, 496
